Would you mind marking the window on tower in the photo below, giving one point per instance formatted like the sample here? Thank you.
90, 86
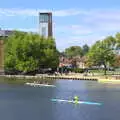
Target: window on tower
43, 17
43, 31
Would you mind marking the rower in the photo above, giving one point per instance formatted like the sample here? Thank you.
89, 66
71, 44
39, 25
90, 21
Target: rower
76, 98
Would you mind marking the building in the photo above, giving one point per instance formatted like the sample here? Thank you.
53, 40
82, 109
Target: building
64, 62
78, 62
45, 24
3, 33
1, 57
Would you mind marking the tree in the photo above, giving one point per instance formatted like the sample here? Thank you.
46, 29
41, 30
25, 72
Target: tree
62, 54
117, 38
85, 49
110, 42
73, 51
101, 53
28, 52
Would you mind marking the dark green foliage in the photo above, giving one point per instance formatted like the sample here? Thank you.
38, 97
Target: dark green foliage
78, 70
73, 51
28, 52
85, 49
102, 53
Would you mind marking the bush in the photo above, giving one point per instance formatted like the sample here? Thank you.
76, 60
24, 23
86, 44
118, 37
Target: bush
78, 70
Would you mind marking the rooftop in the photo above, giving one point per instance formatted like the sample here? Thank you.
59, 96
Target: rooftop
5, 32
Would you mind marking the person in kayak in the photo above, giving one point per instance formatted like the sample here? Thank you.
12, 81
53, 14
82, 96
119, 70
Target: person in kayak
76, 98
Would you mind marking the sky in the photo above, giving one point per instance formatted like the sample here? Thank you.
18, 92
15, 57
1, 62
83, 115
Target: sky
75, 22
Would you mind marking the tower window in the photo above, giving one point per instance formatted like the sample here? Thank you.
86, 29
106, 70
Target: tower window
44, 18
43, 31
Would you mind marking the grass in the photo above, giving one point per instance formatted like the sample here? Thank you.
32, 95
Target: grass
101, 72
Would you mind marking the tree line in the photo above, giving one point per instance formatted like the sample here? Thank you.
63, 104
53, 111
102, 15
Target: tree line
104, 52
74, 51
28, 52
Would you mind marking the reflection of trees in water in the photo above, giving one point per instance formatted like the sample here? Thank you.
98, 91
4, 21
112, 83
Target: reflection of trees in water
45, 81
22, 81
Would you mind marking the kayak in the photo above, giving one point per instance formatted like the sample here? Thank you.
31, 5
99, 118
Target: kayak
76, 102
37, 84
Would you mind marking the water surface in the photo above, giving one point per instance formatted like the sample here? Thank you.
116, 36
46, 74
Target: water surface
21, 102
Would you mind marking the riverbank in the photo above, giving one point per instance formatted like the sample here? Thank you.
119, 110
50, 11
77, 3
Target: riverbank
72, 76
45, 76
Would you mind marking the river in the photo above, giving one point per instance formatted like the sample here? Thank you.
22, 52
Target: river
22, 102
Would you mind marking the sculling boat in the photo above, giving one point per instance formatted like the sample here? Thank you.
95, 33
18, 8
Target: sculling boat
37, 84
76, 102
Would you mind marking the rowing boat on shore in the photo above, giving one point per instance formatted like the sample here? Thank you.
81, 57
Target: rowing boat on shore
76, 102
40, 85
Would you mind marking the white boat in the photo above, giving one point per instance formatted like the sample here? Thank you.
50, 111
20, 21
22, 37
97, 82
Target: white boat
37, 84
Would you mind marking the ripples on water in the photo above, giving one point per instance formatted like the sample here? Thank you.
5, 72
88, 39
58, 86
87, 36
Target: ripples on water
20, 102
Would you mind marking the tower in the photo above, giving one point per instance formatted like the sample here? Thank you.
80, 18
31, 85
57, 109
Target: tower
45, 24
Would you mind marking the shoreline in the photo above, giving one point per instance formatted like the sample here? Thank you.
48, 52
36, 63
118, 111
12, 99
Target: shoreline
68, 77
100, 79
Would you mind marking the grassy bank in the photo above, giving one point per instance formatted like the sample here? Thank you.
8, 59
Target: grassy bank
111, 81
42, 79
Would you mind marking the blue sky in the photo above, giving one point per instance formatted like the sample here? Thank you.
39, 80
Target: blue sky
75, 22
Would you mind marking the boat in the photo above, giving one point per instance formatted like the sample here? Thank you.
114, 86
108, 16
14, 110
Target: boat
75, 102
40, 85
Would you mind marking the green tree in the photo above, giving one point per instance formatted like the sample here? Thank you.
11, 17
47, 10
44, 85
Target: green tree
73, 51
28, 52
110, 42
85, 49
101, 53
117, 38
